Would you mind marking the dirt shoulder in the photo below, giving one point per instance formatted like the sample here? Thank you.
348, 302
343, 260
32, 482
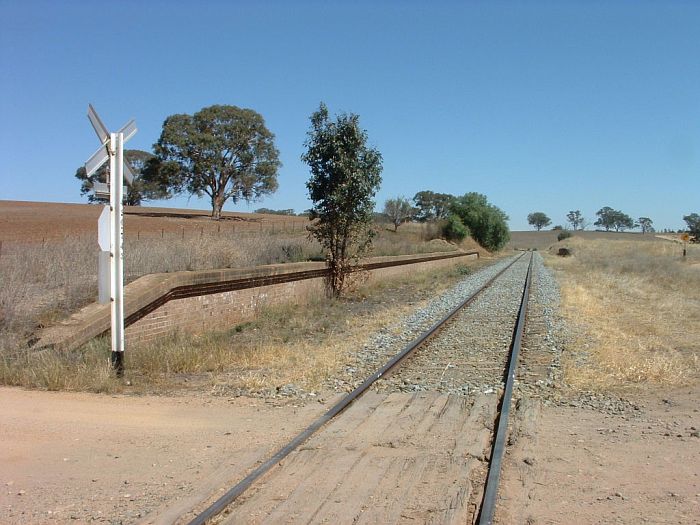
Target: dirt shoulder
82, 458
585, 465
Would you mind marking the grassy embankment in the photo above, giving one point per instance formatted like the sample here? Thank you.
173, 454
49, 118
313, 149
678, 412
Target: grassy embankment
43, 282
634, 311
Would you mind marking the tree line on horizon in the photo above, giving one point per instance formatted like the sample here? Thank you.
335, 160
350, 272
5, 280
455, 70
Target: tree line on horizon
610, 219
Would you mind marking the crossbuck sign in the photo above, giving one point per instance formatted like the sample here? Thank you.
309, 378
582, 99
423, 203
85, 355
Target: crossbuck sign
110, 230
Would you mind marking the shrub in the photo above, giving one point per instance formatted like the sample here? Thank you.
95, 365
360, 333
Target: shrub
454, 229
486, 223
563, 235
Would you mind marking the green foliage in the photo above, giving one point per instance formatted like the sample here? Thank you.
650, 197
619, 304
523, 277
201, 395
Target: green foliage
432, 206
486, 222
609, 218
225, 152
268, 211
454, 229
138, 191
398, 210
693, 222
563, 235
463, 269
557, 228
538, 220
646, 224
345, 176
575, 218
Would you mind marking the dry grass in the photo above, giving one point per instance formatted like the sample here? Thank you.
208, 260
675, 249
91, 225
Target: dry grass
43, 282
303, 346
634, 308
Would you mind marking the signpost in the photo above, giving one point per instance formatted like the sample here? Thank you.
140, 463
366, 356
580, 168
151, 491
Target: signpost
685, 238
110, 230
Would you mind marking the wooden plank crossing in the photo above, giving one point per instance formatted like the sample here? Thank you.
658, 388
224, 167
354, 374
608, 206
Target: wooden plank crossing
396, 458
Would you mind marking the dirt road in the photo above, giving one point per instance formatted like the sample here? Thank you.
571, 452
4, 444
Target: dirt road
82, 458
78, 458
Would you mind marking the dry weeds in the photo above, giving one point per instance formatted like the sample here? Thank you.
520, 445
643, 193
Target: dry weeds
634, 311
41, 283
302, 346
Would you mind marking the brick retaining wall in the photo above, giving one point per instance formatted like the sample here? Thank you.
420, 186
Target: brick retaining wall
156, 305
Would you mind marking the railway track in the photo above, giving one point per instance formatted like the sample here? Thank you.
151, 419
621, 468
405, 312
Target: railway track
420, 440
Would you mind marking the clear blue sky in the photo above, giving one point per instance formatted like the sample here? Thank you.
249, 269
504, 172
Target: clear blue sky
542, 106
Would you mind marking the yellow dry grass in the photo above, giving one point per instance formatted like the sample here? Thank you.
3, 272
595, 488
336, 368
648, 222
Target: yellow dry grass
634, 308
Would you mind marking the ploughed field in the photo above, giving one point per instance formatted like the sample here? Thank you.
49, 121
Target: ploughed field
37, 221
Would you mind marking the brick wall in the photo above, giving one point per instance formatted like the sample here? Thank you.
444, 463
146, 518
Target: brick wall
158, 304
227, 309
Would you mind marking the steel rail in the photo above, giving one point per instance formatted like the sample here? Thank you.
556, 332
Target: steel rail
229, 497
488, 503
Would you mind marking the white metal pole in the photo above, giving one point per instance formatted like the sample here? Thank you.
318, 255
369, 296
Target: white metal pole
116, 161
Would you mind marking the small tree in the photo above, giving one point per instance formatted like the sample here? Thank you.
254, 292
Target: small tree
575, 218
538, 220
225, 152
646, 224
693, 222
399, 210
345, 176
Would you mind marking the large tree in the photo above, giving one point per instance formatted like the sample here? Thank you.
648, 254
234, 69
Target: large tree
345, 176
225, 152
432, 206
575, 218
609, 218
606, 218
693, 222
138, 191
398, 210
486, 222
538, 220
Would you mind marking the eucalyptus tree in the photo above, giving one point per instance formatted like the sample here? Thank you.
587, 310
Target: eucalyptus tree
693, 222
646, 224
224, 152
538, 220
575, 218
345, 177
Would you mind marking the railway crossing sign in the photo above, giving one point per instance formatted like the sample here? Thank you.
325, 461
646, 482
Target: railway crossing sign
110, 229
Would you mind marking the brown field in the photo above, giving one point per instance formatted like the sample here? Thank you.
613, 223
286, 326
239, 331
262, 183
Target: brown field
526, 240
37, 221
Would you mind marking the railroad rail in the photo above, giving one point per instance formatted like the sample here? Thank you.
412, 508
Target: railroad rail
487, 507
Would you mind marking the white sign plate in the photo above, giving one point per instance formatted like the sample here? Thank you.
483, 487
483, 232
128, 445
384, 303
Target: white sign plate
103, 229
97, 125
96, 160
